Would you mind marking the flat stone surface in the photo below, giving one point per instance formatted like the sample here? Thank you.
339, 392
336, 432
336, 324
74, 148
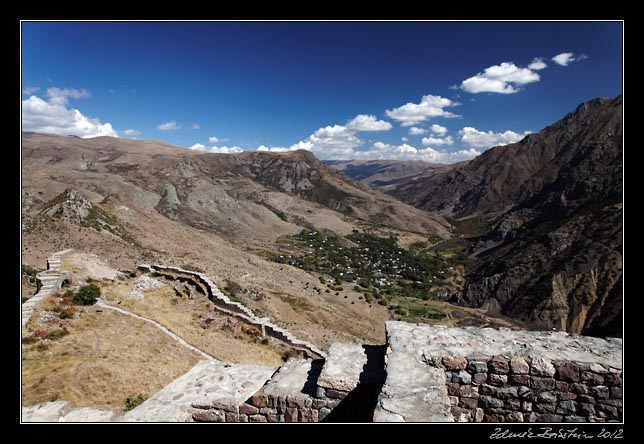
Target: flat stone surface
435, 340
343, 366
45, 412
290, 379
206, 383
88, 414
413, 391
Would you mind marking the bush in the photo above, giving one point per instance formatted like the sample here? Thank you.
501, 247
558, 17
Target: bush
131, 403
87, 295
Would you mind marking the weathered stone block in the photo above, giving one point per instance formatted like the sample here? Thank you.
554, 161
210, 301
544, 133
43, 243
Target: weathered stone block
567, 407
455, 362
281, 404
547, 417
305, 415
492, 417
479, 378
543, 383
567, 371
280, 418
272, 418
531, 417
561, 386
468, 391
487, 389
490, 402
295, 401
586, 398
462, 377
581, 389
592, 378
574, 418
542, 407
332, 403
540, 366
616, 392
607, 411
314, 416
248, 409
232, 417
320, 392
477, 366
514, 417
496, 379
336, 394
226, 406
526, 406
319, 403
209, 416
257, 418
596, 419
600, 392
454, 400
524, 392
547, 397
513, 404
566, 396
267, 411
453, 389
469, 403
499, 365
586, 409
479, 414
519, 379
243, 418
613, 379
259, 400
323, 413
507, 392
519, 366
461, 415
290, 415
613, 402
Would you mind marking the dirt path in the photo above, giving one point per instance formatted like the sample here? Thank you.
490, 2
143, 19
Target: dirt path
102, 304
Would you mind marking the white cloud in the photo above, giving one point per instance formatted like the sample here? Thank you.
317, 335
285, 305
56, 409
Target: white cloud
440, 130
196, 126
224, 149
480, 139
404, 139
363, 122
132, 132
168, 126
503, 79
381, 150
53, 116
275, 149
537, 64
213, 139
415, 131
28, 90
566, 58
58, 96
437, 141
413, 113
198, 146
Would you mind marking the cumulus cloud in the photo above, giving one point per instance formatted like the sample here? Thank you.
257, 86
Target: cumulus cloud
437, 141
60, 96
505, 78
28, 90
169, 126
363, 122
404, 139
537, 64
132, 132
224, 149
381, 150
53, 115
480, 139
213, 139
440, 130
196, 126
566, 58
198, 146
413, 113
415, 131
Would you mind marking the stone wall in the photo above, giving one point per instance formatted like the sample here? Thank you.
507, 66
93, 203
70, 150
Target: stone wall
502, 389
223, 304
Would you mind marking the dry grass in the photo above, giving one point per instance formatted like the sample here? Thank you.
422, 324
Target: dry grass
182, 317
106, 357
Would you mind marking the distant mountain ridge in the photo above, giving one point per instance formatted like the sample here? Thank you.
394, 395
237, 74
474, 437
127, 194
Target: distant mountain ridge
380, 173
553, 255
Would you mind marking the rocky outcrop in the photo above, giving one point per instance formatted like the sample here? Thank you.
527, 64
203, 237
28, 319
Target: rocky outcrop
50, 281
61, 411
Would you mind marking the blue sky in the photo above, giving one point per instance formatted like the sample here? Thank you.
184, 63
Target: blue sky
435, 91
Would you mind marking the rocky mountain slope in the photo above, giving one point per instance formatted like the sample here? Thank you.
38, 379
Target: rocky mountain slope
552, 255
134, 201
380, 173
